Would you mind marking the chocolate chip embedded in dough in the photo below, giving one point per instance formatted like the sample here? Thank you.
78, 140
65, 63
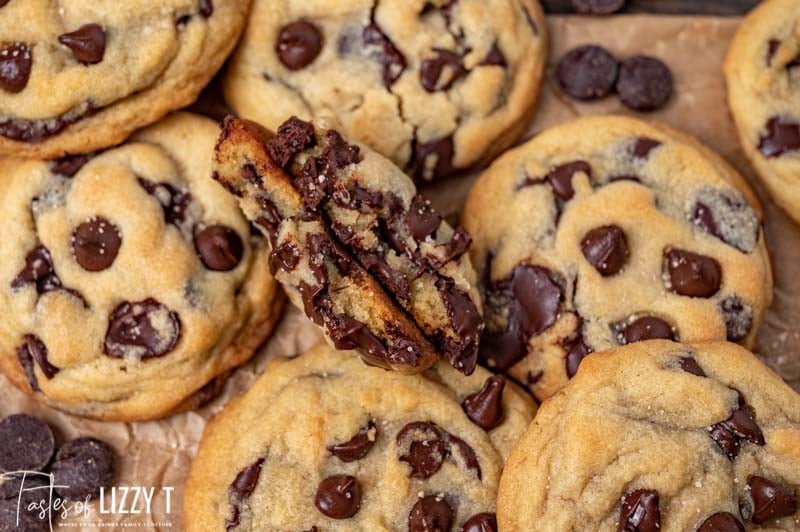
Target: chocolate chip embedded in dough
431, 513
738, 317
438, 73
206, 8
691, 274
26, 444
640, 512
433, 159
780, 136
646, 328
485, 407
95, 244
420, 445
142, 329
606, 248
16, 60
721, 522
770, 500
381, 49
299, 44
82, 467
87, 43
483, 522
220, 248
358, 446
740, 427
338, 497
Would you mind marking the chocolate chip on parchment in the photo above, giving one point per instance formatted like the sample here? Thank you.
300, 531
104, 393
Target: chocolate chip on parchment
606, 248
299, 43
644, 83
220, 248
485, 407
15, 66
640, 512
420, 444
95, 244
381, 49
645, 328
81, 467
26, 444
691, 274
587, 72
770, 500
143, 329
87, 43
739, 427
483, 522
721, 522
781, 135
358, 446
431, 513
438, 73
338, 497
597, 7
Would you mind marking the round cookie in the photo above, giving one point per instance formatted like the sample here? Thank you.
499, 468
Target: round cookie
81, 76
130, 283
604, 231
435, 85
326, 441
660, 436
763, 75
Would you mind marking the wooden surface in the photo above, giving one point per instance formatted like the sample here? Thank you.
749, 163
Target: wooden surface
701, 7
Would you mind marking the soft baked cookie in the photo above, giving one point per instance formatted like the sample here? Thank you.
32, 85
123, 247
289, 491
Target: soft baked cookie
356, 247
323, 442
660, 436
435, 85
605, 231
763, 75
130, 285
81, 76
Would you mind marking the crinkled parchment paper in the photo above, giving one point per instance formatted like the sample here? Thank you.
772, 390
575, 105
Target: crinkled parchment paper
158, 454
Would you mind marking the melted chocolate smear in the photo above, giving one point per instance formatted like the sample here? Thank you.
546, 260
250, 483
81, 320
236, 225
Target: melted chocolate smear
358, 446
145, 329
466, 453
38, 130
468, 325
338, 497
395, 281
174, 202
770, 500
299, 44
38, 352
433, 159
483, 522
431, 513
284, 257
16, 60
560, 178
381, 49
364, 198
26, 361
69, 166
241, 488
348, 333
692, 274
294, 136
38, 269
87, 43
270, 219
740, 426
721, 522
438, 73
640, 512
782, 135
485, 407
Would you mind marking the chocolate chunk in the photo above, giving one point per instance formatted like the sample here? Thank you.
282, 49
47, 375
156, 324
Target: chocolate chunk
640, 512
495, 57
358, 446
422, 220
484, 522
37, 351
219, 247
338, 497
782, 135
467, 323
26, 444
485, 407
740, 426
721, 522
577, 349
690, 365
606, 248
381, 49
173, 201
82, 467
338, 154
438, 73
39, 270
95, 244
143, 329
206, 8
431, 513
284, 257
646, 328
241, 488
433, 159
88, 43
597, 7
692, 274
15, 67
643, 146
738, 317
560, 178
644, 83
347, 333
420, 444
294, 136
587, 72
299, 43
69, 166
770, 500
457, 246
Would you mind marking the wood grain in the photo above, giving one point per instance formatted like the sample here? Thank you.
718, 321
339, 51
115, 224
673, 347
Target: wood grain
685, 7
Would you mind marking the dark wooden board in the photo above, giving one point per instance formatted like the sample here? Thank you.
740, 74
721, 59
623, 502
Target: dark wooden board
685, 7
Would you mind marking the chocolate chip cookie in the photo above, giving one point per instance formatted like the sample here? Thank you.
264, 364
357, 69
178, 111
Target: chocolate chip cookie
660, 436
324, 442
763, 74
605, 231
130, 283
76, 77
355, 246
436, 85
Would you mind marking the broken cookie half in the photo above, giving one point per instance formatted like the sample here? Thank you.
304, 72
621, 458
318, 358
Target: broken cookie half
355, 246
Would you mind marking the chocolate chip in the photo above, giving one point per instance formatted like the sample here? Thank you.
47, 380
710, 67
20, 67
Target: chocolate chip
560, 178
241, 488
692, 274
422, 220
173, 201
782, 135
144, 329
39, 270
28, 513
358, 446
721, 522
383, 50
95, 244
495, 57
348, 333
338, 497
26, 361
484, 522
485, 407
69, 166
577, 349
738, 317
10, 485
220, 248
420, 444
37, 351
433, 159
361, 198
206, 8
690, 365
469, 460
284, 257
15, 67
294, 136
597, 7
438, 73
606, 248
299, 43
640, 512
643, 146
457, 246
82, 467
646, 328
26, 444
644, 83
770, 500
587, 72
740, 426
88, 43
431, 513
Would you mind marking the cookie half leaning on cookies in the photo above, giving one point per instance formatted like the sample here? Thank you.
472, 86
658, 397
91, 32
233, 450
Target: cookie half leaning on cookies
76, 77
763, 75
660, 436
130, 283
356, 247
435, 85
605, 231
325, 441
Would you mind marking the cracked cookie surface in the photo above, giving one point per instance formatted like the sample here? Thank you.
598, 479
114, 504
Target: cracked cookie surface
356, 448
605, 231
130, 282
435, 85
660, 436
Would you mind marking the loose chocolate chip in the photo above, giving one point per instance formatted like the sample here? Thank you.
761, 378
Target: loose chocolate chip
82, 467
640, 512
10, 486
173, 201
422, 220
15, 67
738, 317
338, 497
692, 274
606, 248
420, 444
206, 8
740, 426
299, 43
95, 244
433, 159
643, 146
88, 43
644, 83
241, 488
495, 57
484, 522
284, 257
587, 72
144, 329
431, 514
646, 328
690, 365
597, 7
560, 178
358, 446
485, 407
383, 50
69, 166
30, 513
770, 500
294, 136
721, 522
438, 73
577, 349
782, 135
220, 248
26, 444
38, 352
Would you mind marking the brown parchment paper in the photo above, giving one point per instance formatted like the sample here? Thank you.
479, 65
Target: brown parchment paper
158, 454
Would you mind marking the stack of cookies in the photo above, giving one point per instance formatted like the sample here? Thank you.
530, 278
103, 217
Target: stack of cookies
611, 273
